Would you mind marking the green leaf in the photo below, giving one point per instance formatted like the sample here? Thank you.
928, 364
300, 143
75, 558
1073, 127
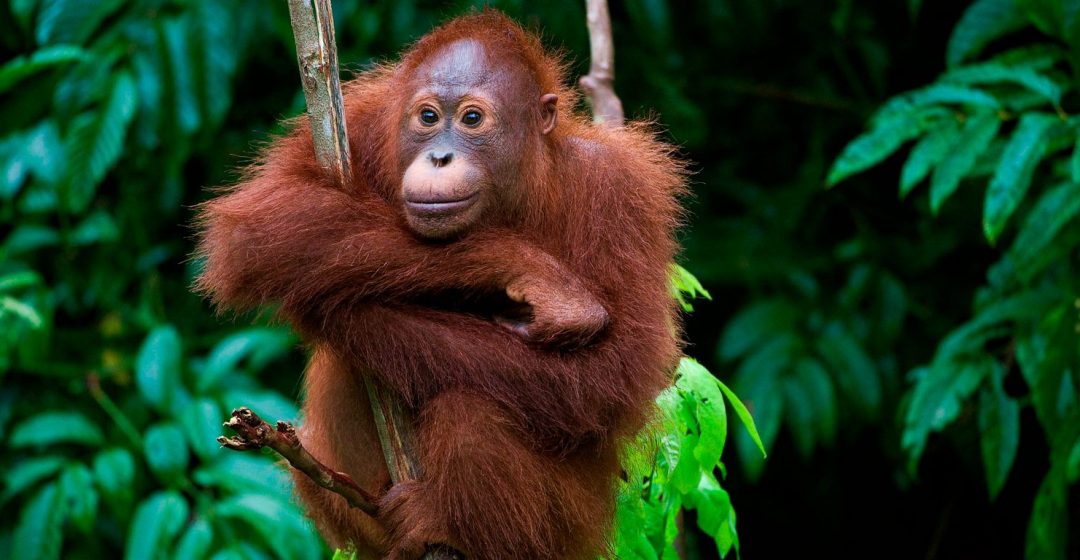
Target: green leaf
704, 391
267, 404
242, 473
96, 141
937, 398
1048, 528
177, 46
810, 405
195, 544
978, 132
999, 424
1072, 465
744, 416
993, 73
157, 367
984, 21
98, 227
28, 472
685, 286
1011, 180
1074, 163
39, 534
71, 21
716, 517
114, 470
166, 451
51, 428
157, 520
20, 67
276, 520
873, 146
12, 306
259, 346
77, 486
928, 152
1056, 208
755, 324
202, 425
856, 375
29, 237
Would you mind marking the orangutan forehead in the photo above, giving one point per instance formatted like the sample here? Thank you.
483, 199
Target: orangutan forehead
468, 64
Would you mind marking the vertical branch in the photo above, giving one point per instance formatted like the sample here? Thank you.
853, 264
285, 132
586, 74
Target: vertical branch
394, 424
599, 83
316, 53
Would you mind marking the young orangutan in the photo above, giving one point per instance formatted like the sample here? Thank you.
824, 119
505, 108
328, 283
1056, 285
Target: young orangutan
498, 261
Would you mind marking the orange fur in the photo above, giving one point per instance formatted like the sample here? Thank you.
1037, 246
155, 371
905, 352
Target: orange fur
518, 441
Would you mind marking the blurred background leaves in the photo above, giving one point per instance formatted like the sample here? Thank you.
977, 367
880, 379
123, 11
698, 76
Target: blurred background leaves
906, 340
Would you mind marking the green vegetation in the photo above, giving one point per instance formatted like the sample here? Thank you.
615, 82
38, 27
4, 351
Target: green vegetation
912, 362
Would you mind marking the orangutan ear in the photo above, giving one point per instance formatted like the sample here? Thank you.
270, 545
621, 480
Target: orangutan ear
549, 105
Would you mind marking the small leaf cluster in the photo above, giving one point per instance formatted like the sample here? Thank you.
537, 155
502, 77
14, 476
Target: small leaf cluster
1004, 117
672, 466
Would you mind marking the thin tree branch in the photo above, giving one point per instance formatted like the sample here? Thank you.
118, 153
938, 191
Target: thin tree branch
316, 53
394, 424
254, 433
599, 83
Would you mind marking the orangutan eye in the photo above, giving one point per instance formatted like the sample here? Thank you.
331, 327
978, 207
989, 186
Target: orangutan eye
429, 116
471, 118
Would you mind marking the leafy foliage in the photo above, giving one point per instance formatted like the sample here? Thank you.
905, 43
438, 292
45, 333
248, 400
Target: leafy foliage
113, 385
1023, 314
673, 464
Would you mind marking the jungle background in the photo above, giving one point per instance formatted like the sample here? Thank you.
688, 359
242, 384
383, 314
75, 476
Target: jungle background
906, 338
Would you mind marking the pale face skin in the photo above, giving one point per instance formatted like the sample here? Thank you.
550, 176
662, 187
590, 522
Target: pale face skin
463, 135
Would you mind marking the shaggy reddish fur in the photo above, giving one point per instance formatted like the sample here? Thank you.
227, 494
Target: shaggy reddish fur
518, 441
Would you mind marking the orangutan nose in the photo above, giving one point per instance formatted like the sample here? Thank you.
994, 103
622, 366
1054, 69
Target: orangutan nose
440, 158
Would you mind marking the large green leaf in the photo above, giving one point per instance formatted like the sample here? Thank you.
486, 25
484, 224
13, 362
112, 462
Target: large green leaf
936, 401
77, 486
27, 472
278, 521
1011, 180
114, 471
157, 520
195, 544
157, 368
256, 345
21, 67
71, 21
96, 141
50, 428
166, 451
703, 390
978, 132
994, 73
756, 324
1048, 528
927, 153
856, 375
39, 534
873, 146
999, 424
984, 21
1055, 209
202, 425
